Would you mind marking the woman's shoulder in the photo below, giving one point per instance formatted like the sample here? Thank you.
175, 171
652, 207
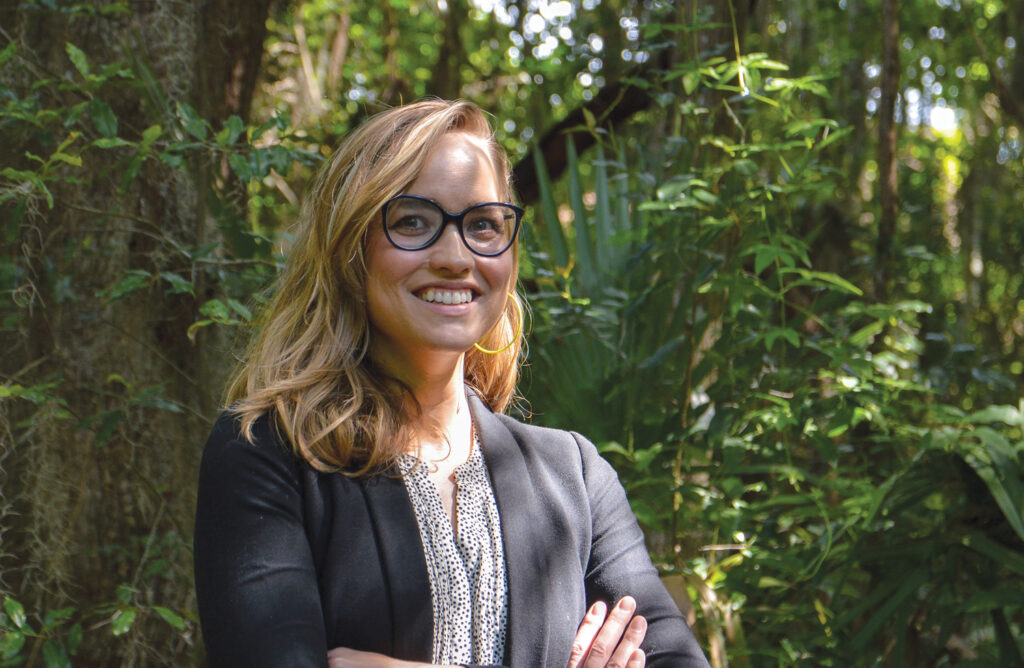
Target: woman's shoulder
552, 444
526, 432
568, 454
229, 429
232, 448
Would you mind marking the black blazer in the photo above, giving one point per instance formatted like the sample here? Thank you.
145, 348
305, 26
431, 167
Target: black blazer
290, 562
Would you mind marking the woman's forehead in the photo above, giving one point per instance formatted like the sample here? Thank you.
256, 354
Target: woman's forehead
458, 172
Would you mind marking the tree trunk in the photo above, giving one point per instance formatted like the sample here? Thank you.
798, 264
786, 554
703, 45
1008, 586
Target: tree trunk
99, 480
887, 181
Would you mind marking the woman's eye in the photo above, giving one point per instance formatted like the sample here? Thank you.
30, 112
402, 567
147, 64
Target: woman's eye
483, 226
409, 225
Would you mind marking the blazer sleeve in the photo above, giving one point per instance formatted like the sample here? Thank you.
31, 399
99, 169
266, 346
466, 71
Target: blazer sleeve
620, 564
256, 584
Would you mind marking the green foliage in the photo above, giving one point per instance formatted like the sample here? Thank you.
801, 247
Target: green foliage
774, 426
61, 631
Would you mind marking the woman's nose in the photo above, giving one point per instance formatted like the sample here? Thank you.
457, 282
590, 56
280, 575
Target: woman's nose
450, 253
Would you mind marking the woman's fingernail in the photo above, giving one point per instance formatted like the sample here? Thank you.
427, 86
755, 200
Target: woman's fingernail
597, 608
627, 603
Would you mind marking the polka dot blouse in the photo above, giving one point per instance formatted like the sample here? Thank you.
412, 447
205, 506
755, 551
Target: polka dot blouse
468, 587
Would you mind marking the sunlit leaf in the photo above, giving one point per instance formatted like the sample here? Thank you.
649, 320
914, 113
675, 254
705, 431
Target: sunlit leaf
122, 621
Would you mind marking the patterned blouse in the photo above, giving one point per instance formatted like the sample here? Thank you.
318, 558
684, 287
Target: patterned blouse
468, 587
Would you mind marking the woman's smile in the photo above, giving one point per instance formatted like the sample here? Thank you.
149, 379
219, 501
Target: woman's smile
443, 296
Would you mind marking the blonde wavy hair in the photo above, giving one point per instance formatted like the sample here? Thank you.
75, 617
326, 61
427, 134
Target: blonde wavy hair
308, 366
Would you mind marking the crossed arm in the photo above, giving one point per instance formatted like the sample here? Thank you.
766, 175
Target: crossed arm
604, 639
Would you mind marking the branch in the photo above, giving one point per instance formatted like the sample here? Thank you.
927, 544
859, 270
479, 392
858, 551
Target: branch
613, 104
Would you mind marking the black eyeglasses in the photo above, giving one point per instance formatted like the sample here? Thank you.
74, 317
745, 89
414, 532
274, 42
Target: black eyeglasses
413, 223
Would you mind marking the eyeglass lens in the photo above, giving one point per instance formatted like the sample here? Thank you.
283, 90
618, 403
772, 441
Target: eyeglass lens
413, 223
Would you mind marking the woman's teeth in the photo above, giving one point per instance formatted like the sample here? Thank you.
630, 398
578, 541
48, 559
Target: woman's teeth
446, 296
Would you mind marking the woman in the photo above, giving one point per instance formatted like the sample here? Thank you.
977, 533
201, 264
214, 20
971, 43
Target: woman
364, 501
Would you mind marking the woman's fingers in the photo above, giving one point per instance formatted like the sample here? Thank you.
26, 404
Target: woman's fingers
608, 637
588, 630
618, 637
628, 652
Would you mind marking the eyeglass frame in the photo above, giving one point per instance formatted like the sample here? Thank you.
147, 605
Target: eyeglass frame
449, 217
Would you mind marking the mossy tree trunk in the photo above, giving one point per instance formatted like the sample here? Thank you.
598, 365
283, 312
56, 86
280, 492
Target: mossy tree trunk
98, 473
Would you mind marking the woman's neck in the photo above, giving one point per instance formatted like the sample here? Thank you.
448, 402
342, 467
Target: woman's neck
443, 428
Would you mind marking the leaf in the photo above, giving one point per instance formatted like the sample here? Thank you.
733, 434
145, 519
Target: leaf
190, 120
825, 277
29, 177
179, 285
150, 135
240, 166
602, 214
171, 159
765, 63
78, 58
662, 353
866, 333
690, 81
67, 158
103, 118
194, 328
995, 462
216, 310
8, 52
112, 142
1010, 415
232, 130
991, 599
552, 225
108, 423
54, 656
11, 643
16, 611
786, 333
997, 552
136, 279
122, 621
170, 617
123, 592
586, 262
74, 638
911, 581
588, 117
131, 170
55, 618
240, 308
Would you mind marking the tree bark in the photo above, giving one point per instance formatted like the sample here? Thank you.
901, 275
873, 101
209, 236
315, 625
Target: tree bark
887, 181
99, 482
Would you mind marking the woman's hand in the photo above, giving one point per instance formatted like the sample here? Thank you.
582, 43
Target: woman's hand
611, 641
342, 657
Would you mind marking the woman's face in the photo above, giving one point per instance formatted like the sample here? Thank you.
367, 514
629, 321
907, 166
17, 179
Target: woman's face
411, 324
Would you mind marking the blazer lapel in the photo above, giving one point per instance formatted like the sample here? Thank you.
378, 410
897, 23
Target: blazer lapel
405, 567
522, 523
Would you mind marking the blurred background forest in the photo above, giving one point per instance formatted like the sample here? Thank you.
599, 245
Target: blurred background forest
773, 255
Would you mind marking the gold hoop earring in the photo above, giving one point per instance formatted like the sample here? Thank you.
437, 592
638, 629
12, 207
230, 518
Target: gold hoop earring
515, 337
